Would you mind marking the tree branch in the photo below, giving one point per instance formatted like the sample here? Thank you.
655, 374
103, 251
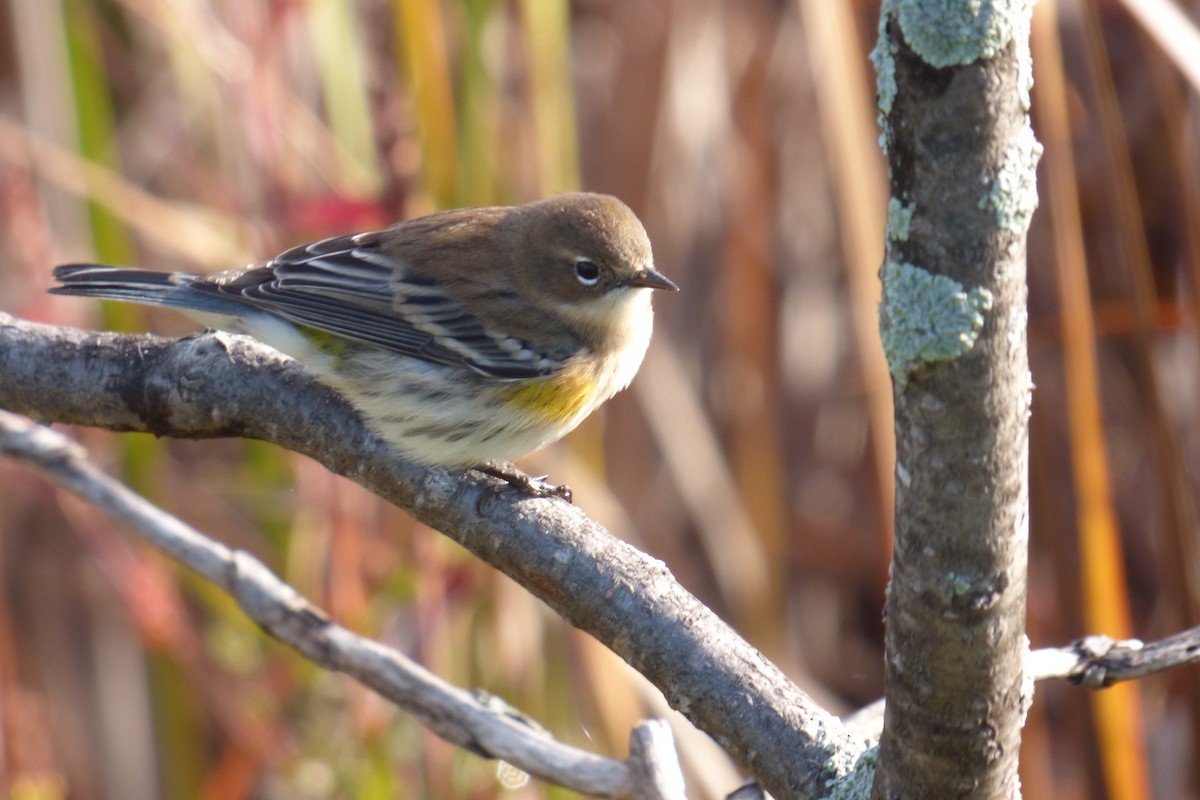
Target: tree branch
468, 720
1097, 662
217, 384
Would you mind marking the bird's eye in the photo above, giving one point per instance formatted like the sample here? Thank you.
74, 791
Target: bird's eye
587, 272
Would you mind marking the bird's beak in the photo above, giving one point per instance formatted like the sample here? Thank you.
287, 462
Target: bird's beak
651, 278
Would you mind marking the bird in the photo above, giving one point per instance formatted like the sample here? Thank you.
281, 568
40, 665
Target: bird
465, 339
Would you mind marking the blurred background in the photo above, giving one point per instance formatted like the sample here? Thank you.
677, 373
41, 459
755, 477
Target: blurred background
752, 455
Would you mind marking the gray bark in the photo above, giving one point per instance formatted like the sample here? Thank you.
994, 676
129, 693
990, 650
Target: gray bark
216, 385
962, 161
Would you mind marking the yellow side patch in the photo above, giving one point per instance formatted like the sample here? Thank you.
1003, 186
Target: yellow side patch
559, 398
328, 343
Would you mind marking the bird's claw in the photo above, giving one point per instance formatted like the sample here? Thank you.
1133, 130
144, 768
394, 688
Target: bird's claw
528, 485
538, 486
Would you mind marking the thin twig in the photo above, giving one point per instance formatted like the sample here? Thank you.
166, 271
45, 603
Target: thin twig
468, 720
654, 762
1098, 661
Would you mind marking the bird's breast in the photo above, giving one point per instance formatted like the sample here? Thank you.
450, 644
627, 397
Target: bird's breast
560, 397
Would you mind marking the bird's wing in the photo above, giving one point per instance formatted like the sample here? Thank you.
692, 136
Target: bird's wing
350, 287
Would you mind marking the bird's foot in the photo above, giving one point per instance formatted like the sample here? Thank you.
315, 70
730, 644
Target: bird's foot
523, 483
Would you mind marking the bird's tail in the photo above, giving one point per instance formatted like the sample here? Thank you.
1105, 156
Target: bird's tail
120, 283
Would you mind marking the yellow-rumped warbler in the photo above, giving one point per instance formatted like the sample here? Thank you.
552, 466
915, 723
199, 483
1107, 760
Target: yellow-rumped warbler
465, 338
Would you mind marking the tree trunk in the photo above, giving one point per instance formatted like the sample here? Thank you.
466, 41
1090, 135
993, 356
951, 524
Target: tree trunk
953, 95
